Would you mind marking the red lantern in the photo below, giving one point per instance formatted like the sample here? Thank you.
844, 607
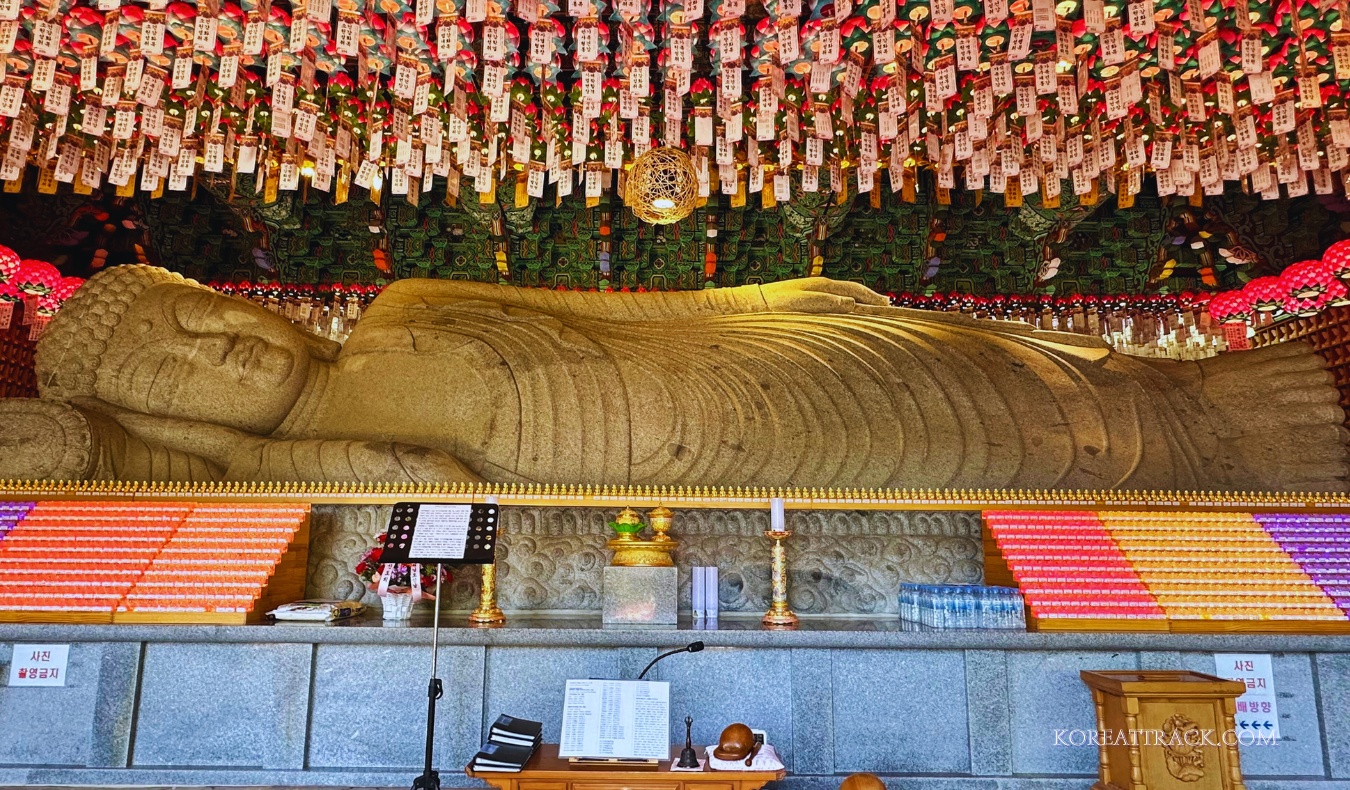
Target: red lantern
37, 278
63, 290
1337, 294
9, 264
1305, 280
1264, 294
1304, 307
1337, 257
1230, 307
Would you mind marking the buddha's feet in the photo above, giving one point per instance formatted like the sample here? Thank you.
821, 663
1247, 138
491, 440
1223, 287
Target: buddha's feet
1282, 415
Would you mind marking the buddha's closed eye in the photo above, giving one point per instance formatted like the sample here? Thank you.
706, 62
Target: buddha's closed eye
194, 312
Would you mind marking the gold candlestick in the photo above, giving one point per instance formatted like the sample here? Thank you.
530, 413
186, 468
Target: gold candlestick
488, 615
779, 615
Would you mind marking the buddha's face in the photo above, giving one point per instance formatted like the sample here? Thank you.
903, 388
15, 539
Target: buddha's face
183, 351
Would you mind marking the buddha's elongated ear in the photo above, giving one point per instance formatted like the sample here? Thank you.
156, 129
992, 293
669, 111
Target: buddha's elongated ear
321, 348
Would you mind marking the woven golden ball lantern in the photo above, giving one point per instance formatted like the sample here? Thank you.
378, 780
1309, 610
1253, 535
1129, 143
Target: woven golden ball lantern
662, 187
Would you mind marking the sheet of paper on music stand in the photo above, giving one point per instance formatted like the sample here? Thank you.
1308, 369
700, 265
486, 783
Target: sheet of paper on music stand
616, 718
442, 531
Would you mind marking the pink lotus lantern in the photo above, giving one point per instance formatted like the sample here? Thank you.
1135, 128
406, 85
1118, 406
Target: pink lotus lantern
9, 292
1230, 307
66, 287
1264, 294
1337, 257
1306, 306
9, 264
62, 291
37, 278
1305, 280
1338, 294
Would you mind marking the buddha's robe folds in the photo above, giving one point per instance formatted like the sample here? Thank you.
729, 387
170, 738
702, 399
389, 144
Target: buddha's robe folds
723, 388
799, 383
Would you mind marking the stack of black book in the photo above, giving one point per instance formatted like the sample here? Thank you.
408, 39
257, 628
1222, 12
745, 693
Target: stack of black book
511, 744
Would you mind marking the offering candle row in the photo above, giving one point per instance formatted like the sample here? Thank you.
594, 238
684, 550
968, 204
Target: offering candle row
1178, 566
81, 556
91, 557
218, 560
12, 513
1217, 566
1320, 544
1068, 566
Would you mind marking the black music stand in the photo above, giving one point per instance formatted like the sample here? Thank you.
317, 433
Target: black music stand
444, 534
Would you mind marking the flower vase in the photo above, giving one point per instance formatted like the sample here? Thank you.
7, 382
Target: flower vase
397, 605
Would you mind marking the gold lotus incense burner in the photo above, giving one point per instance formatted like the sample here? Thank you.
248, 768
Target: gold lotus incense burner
630, 551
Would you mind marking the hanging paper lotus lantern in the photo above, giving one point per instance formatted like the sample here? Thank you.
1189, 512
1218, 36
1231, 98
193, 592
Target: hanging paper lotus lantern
66, 287
84, 27
1305, 280
1338, 294
48, 305
9, 292
1337, 258
1307, 306
37, 278
9, 264
1230, 307
1264, 294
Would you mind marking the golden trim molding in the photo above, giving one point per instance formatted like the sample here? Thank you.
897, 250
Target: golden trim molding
728, 497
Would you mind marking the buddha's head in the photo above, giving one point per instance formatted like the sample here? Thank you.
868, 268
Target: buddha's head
148, 340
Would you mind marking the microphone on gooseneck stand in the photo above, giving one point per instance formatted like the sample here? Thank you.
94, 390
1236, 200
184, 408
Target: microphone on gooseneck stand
692, 647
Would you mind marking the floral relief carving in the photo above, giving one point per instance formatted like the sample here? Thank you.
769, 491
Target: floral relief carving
552, 559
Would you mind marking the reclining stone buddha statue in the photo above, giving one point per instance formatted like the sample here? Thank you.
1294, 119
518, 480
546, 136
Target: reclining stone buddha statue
147, 376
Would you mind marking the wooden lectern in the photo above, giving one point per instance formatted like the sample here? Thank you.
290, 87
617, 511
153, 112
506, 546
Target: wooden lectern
547, 771
1166, 730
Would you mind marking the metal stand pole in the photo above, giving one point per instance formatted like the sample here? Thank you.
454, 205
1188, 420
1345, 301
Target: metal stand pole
430, 780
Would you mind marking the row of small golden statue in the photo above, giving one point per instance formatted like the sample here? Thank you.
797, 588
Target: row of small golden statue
631, 551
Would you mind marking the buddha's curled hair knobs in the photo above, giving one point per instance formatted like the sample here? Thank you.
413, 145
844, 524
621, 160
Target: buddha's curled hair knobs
69, 352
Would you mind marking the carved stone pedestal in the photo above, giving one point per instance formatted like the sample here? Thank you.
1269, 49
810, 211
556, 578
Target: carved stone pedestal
646, 596
1166, 730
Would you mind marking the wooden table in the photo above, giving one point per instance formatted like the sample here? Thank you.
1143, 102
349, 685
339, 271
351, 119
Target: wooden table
547, 771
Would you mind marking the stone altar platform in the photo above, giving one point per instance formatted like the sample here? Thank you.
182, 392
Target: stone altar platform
551, 560
342, 705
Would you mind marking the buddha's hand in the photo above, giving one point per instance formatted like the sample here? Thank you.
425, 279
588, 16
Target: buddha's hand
215, 444
819, 295
45, 440
345, 461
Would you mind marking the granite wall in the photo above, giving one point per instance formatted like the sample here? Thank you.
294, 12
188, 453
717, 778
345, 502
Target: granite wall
550, 559
979, 713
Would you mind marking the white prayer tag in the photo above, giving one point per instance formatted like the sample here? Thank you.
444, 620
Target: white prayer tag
57, 100
182, 74
253, 37
204, 32
1141, 18
1253, 60
43, 73
46, 38
349, 32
